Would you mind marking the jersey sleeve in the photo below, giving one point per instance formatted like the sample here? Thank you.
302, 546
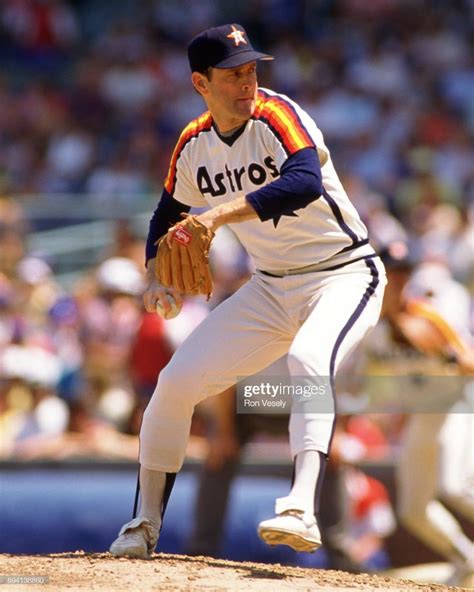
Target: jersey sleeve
298, 185
179, 182
288, 128
166, 214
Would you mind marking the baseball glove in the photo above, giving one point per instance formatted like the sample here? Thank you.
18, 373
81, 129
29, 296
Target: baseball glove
184, 264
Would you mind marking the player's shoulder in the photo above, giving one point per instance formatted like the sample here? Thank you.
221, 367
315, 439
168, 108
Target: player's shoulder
192, 130
196, 126
283, 119
276, 104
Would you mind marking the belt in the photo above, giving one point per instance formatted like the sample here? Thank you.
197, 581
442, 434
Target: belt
295, 271
311, 268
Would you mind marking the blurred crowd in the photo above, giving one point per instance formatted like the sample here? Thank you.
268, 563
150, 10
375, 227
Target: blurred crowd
91, 103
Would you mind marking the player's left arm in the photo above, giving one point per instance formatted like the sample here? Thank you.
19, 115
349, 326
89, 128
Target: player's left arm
299, 183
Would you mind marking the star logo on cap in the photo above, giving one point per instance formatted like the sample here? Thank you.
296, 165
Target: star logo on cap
237, 36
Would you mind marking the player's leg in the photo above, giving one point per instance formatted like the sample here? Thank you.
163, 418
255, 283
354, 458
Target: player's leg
240, 337
418, 509
345, 307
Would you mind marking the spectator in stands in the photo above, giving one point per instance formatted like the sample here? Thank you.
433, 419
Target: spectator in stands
110, 318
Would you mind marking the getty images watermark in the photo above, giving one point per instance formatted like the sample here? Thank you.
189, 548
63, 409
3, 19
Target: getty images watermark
282, 395
411, 393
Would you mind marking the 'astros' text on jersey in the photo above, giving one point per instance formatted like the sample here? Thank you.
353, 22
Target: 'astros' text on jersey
209, 169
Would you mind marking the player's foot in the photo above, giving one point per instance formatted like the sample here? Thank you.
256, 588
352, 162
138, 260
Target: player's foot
136, 539
292, 527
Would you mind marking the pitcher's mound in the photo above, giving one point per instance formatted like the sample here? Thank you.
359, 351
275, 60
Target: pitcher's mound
179, 573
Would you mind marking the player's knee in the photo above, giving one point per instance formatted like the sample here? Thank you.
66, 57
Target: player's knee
177, 391
180, 375
169, 378
303, 361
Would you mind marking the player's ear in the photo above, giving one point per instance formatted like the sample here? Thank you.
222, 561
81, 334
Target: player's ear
199, 82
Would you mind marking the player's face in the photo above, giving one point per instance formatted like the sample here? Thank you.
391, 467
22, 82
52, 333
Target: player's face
231, 95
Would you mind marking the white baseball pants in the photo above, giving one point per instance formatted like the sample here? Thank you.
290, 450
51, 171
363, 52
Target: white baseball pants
317, 319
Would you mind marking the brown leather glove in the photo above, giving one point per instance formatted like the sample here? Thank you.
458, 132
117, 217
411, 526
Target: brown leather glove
184, 264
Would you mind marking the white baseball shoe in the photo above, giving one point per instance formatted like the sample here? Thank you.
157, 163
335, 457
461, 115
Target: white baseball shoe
291, 526
136, 539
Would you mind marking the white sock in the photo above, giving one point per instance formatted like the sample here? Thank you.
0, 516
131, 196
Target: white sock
307, 466
152, 487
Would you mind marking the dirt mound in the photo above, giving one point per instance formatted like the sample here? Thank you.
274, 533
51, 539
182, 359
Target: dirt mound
100, 571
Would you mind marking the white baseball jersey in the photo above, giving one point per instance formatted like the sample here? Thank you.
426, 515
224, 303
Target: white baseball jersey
208, 169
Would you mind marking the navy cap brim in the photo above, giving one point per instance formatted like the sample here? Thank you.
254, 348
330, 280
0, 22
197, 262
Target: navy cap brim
242, 58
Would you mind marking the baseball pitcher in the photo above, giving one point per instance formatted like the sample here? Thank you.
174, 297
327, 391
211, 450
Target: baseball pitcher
260, 163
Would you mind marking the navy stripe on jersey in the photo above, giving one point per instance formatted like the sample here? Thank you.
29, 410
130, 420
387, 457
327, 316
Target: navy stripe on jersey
338, 215
355, 245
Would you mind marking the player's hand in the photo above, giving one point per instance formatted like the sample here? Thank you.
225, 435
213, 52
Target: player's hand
155, 292
210, 220
207, 219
